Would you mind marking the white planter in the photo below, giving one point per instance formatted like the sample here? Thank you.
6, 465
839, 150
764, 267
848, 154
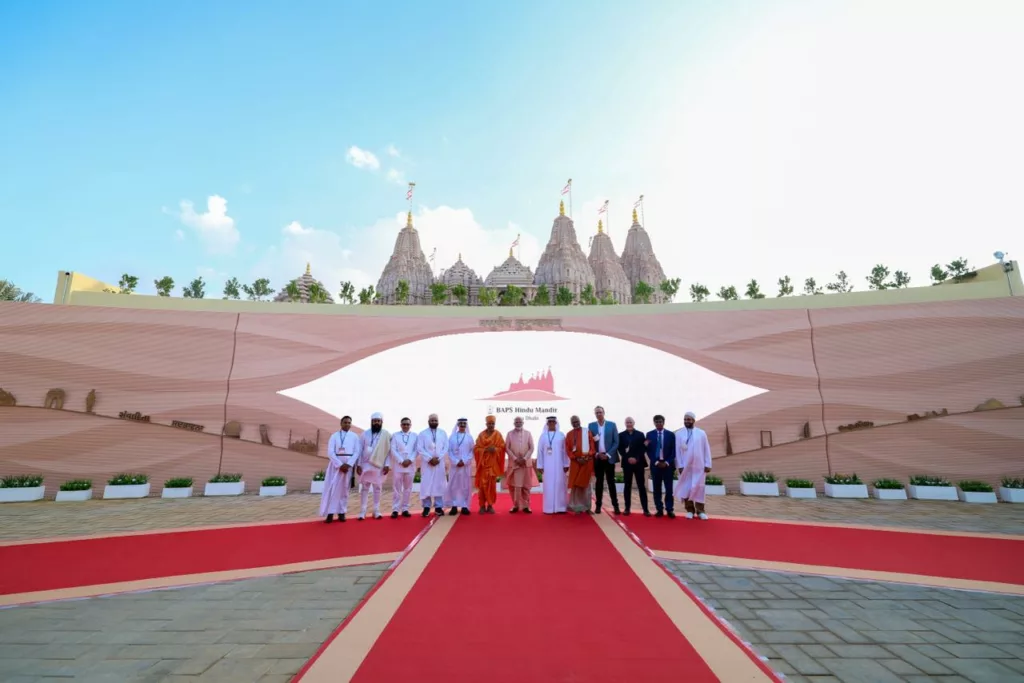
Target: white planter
846, 490
620, 487
179, 492
229, 488
933, 492
415, 487
715, 490
890, 494
316, 486
126, 491
536, 489
748, 488
74, 496
22, 495
978, 496
1011, 495
801, 493
273, 490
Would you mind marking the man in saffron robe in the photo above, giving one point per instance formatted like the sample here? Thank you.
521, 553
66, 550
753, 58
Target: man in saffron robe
489, 454
519, 474
579, 446
373, 464
693, 457
460, 454
342, 452
403, 459
432, 449
553, 462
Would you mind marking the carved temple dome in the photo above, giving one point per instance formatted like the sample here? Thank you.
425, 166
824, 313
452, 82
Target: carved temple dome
407, 263
563, 263
511, 272
461, 274
609, 277
303, 283
639, 262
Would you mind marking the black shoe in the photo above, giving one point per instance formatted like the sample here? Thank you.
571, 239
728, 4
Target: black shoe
405, 513
597, 511
671, 515
453, 511
464, 511
439, 512
330, 518
513, 511
617, 511
647, 513
426, 512
341, 518
659, 513
625, 512
527, 511
394, 514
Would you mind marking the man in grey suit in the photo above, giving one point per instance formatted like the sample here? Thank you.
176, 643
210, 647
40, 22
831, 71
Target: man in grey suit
606, 436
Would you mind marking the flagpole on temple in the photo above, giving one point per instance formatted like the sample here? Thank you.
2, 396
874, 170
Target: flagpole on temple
408, 195
569, 185
518, 247
641, 202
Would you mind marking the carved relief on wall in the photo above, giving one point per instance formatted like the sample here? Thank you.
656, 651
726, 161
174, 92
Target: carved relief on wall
233, 429
991, 404
90, 401
303, 446
265, 435
7, 399
54, 399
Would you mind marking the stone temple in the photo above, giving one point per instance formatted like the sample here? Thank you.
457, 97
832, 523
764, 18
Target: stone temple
304, 283
610, 278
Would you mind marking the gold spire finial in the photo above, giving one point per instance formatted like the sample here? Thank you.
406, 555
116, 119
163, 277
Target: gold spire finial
408, 220
510, 252
634, 216
307, 268
600, 227
561, 208
460, 255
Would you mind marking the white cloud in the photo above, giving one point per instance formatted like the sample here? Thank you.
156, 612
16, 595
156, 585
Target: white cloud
360, 256
361, 158
392, 151
215, 228
396, 176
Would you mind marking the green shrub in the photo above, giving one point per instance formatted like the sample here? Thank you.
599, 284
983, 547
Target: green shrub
712, 480
126, 479
799, 484
972, 486
76, 485
1013, 483
178, 483
274, 481
928, 480
319, 476
889, 484
843, 479
758, 477
225, 478
21, 481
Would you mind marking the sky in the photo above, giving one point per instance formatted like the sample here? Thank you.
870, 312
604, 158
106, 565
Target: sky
231, 139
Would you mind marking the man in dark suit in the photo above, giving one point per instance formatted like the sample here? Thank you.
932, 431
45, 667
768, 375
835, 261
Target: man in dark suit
606, 440
633, 456
661, 450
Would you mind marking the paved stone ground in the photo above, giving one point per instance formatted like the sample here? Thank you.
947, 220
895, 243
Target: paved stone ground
822, 629
48, 518
243, 631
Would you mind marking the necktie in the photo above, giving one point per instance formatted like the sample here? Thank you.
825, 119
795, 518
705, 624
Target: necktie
660, 454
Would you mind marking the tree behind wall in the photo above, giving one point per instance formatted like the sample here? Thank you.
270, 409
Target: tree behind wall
126, 285
164, 285
699, 292
587, 297
488, 296
754, 290
367, 296
402, 292
232, 289
195, 290
460, 293
542, 297
670, 288
317, 293
728, 293
564, 297
512, 296
11, 292
642, 293
811, 287
438, 293
841, 285
347, 293
785, 286
258, 290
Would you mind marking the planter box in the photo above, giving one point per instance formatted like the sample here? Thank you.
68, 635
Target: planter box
620, 487
233, 488
176, 492
714, 490
316, 486
126, 491
1011, 495
759, 489
22, 495
801, 493
978, 496
933, 492
74, 496
273, 490
415, 487
890, 494
846, 490
536, 489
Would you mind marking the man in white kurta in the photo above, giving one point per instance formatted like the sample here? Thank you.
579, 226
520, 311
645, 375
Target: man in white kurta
553, 464
403, 464
693, 457
342, 453
373, 464
432, 450
460, 481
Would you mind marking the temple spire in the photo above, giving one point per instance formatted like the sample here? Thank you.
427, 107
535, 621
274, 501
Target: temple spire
600, 227
510, 252
634, 217
408, 220
561, 208
307, 268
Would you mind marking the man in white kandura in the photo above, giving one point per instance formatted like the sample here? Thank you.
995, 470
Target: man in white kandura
460, 483
403, 462
693, 457
432, 449
373, 464
553, 464
342, 452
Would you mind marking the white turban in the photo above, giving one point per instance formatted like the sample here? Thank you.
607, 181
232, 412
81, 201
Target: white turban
690, 415
377, 416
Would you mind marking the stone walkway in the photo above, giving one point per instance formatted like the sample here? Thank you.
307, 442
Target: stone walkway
823, 629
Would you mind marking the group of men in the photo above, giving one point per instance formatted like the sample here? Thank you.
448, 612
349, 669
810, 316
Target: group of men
576, 466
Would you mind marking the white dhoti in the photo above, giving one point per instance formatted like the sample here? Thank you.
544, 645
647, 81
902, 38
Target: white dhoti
334, 499
433, 484
460, 487
690, 485
371, 477
402, 491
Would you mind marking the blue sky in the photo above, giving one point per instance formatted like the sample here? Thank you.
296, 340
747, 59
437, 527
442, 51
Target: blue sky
765, 136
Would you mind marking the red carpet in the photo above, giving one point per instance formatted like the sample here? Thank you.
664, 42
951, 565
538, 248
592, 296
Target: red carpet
959, 557
65, 564
537, 598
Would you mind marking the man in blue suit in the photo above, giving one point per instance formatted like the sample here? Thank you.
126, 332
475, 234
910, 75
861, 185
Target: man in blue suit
606, 436
661, 451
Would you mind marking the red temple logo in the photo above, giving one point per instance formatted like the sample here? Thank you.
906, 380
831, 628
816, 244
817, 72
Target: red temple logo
539, 387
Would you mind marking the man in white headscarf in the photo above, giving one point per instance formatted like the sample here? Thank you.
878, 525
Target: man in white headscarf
373, 464
693, 457
460, 453
432, 449
553, 464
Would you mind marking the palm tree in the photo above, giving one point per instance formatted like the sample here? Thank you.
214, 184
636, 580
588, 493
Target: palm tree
11, 292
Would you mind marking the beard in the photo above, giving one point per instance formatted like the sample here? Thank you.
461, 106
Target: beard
433, 425
375, 429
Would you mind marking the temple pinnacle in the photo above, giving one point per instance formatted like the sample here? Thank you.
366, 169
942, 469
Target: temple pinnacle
307, 268
408, 220
634, 216
510, 252
561, 208
600, 227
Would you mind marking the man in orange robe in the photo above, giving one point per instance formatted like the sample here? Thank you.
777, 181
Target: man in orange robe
580, 447
489, 454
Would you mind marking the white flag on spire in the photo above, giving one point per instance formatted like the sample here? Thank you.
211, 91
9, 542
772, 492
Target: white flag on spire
604, 207
433, 253
568, 187
516, 243
637, 203
408, 194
